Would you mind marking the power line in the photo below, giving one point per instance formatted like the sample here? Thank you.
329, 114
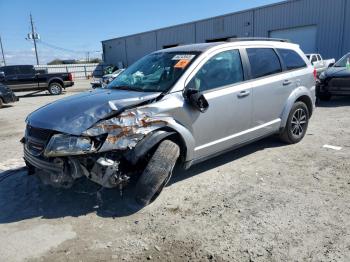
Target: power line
66, 49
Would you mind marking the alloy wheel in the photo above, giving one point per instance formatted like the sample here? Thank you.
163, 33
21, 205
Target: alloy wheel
299, 122
55, 89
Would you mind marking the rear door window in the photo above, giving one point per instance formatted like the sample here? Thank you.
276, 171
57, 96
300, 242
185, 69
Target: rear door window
291, 59
26, 70
263, 62
222, 69
313, 59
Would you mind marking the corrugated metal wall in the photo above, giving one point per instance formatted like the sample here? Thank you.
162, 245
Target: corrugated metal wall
331, 17
139, 45
114, 51
327, 15
346, 28
237, 25
182, 34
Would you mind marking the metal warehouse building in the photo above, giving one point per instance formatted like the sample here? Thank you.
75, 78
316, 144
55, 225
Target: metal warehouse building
320, 26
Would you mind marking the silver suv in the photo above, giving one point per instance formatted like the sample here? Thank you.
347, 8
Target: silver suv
183, 104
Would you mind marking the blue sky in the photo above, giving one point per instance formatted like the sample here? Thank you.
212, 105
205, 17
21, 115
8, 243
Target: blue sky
81, 25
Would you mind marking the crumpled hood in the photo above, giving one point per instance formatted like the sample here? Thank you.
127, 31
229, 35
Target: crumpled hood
337, 72
74, 114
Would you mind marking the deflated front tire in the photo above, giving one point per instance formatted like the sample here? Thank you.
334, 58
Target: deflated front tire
157, 172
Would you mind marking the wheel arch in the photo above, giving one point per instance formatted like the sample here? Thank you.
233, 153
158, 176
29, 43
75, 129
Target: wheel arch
152, 139
55, 80
307, 101
302, 94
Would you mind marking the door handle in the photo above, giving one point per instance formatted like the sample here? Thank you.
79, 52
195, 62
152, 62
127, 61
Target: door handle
243, 93
287, 82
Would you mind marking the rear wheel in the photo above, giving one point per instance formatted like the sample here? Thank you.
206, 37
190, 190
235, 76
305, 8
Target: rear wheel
297, 124
157, 172
1, 103
55, 88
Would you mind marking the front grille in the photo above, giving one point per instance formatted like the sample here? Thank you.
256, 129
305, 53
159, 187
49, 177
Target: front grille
39, 134
42, 163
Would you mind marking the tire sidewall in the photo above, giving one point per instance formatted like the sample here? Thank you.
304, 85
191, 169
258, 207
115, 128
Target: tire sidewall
153, 180
55, 84
291, 136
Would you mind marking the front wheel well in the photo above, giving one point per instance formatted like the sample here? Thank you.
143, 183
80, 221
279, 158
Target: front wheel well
176, 138
151, 141
307, 101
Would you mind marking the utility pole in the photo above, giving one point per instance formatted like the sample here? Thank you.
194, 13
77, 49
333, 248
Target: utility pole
35, 37
2, 51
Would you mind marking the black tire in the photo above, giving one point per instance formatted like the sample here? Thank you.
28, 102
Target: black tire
324, 97
1, 103
55, 88
297, 123
157, 172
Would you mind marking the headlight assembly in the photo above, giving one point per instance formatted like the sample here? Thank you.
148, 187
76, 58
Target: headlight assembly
66, 145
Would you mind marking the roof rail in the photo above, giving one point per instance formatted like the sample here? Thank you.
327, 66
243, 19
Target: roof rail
257, 39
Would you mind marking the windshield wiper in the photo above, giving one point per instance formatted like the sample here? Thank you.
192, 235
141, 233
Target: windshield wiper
130, 88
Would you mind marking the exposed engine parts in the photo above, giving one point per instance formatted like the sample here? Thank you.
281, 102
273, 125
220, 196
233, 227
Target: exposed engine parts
106, 173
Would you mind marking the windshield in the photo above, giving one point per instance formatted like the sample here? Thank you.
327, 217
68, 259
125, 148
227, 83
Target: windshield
156, 72
308, 57
342, 62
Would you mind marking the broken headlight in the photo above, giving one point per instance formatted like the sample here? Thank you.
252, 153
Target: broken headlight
66, 145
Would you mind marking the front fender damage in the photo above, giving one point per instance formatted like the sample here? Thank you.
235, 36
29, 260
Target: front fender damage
127, 129
110, 164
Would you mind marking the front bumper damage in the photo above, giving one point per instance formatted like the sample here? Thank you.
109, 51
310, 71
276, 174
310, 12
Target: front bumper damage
101, 153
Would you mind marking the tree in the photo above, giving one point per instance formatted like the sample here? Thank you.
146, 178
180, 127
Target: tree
55, 62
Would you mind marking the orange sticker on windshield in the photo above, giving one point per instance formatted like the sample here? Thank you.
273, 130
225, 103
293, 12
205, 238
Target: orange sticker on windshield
182, 63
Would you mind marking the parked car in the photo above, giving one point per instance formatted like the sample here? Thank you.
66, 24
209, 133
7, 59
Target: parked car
6, 95
106, 79
183, 104
318, 62
26, 78
335, 81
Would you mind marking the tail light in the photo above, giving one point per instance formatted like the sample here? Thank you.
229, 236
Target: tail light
70, 77
315, 73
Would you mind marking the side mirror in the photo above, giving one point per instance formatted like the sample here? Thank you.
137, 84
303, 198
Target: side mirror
197, 100
331, 65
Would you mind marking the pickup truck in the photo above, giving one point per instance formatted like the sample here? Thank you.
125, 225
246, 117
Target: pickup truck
318, 62
26, 78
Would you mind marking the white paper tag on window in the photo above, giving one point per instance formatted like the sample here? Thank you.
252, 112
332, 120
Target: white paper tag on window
183, 57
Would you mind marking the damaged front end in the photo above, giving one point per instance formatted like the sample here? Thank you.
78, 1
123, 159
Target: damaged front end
102, 153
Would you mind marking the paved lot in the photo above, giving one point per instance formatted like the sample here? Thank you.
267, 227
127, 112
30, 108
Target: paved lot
264, 202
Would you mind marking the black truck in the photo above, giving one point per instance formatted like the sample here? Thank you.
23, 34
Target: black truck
26, 78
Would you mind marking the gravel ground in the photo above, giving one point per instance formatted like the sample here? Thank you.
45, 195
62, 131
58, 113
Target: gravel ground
263, 202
